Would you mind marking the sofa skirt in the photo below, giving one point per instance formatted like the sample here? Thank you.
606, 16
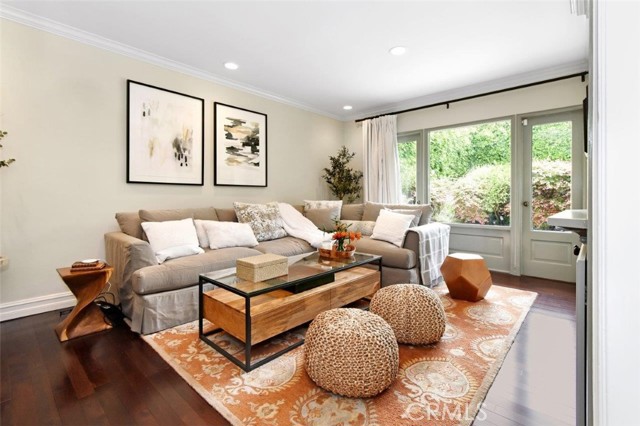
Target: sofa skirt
159, 311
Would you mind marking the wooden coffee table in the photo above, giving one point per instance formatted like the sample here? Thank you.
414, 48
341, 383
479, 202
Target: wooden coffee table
253, 312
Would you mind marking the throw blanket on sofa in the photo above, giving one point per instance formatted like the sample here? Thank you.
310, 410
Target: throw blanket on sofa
296, 225
433, 249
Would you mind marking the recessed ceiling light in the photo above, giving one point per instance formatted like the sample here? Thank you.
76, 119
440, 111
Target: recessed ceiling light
231, 65
398, 50
347, 107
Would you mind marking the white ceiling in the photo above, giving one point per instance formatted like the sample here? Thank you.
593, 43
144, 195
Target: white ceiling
321, 55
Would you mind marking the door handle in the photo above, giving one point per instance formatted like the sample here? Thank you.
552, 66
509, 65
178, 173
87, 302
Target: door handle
525, 203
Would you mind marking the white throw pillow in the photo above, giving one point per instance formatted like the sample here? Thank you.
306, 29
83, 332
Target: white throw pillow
172, 234
203, 239
391, 227
416, 213
229, 234
179, 251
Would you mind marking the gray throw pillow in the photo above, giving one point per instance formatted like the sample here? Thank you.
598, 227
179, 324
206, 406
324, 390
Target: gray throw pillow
264, 219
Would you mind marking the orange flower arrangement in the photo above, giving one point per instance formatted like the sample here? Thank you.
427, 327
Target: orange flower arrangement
342, 235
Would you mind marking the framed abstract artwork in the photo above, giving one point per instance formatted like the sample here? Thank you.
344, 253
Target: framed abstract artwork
240, 146
165, 136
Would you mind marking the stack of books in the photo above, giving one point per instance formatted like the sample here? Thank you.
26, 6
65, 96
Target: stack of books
87, 265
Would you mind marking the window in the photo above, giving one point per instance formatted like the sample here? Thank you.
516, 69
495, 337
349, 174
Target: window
470, 173
408, 157
550, 172
468, 169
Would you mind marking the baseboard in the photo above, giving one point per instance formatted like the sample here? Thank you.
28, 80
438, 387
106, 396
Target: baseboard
36, 305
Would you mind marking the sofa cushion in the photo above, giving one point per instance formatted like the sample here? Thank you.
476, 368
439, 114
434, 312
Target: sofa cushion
265, 219
165, 215
205, 213
287, 246
372, 210
183, 272
227, 215
392, 256
323, 213
130, 224
324, 218
352, 211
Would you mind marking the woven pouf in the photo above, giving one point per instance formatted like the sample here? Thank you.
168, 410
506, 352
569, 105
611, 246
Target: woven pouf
414, 312
351, 352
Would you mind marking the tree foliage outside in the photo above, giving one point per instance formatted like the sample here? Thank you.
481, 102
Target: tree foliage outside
343, 181
470, 172
408, 157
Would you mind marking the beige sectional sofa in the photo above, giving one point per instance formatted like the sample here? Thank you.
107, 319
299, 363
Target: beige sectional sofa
158, 296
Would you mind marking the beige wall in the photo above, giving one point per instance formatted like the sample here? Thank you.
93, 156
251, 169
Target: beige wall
64, 106
544, 97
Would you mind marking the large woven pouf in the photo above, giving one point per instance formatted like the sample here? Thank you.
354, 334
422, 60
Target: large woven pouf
351, 352
414, 312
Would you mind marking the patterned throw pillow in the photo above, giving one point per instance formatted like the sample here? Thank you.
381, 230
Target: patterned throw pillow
264, 219
365, 227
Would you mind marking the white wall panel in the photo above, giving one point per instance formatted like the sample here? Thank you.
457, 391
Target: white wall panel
492, 243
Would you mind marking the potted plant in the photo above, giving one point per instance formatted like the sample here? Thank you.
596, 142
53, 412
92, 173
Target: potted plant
343, 181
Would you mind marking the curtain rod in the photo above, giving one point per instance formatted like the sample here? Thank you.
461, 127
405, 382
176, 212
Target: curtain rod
551, 80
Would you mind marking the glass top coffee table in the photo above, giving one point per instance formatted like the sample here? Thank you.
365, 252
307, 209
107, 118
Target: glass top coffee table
253, 312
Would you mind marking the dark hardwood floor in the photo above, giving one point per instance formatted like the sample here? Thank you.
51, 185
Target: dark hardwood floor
115, 378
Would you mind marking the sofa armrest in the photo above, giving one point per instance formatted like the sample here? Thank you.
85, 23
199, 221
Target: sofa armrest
126, 254
430, 242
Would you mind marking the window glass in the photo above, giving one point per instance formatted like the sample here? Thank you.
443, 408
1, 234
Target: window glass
550, 172
470, 173
407, 154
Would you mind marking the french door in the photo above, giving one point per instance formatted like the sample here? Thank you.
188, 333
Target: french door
554, 164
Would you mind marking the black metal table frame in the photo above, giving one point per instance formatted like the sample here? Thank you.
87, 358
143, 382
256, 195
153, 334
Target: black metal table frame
247, 365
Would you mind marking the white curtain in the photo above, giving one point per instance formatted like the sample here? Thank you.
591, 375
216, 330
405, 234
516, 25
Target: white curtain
381, 164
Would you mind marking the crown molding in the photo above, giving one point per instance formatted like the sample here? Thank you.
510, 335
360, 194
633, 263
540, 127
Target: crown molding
477, 89
57, 28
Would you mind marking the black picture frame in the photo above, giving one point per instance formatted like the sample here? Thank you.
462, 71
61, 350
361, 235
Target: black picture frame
165, 136
239, 146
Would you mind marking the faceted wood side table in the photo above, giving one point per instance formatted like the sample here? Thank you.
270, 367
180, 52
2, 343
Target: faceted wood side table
466, 276
86, 317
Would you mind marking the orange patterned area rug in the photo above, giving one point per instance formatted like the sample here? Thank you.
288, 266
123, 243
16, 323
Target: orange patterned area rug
441, 384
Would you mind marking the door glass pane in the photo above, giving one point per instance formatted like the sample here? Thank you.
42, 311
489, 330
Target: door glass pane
470, 173
550, 172
407, 153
